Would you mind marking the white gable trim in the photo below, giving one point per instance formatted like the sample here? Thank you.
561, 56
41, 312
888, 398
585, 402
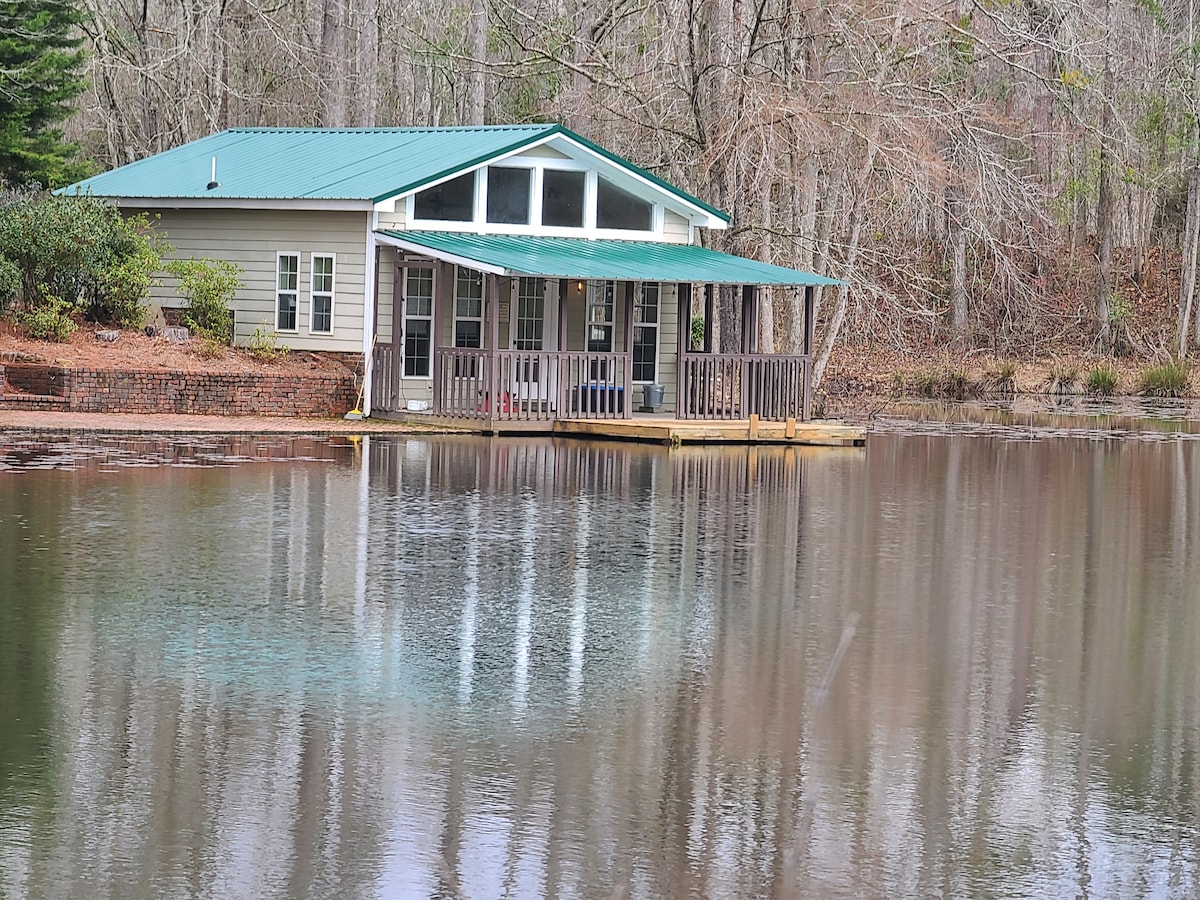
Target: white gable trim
579, 156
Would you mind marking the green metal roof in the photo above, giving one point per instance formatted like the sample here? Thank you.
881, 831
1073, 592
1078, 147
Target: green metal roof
310, 163
550, 257
367, 164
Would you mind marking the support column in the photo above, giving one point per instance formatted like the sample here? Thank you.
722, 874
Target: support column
564, 286
399, 286
749, 319
443, 300
627, 381
708, 318
491, 306
683, 330
806, 404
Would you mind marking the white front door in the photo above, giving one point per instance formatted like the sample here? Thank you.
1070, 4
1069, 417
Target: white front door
534, 327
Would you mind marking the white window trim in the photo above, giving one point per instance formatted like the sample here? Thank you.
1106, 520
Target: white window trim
457, 318
406, 316
298, 256
657, 326
480, 225
480, 196
312, 292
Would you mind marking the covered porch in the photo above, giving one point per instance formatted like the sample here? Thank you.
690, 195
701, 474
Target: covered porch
502, 330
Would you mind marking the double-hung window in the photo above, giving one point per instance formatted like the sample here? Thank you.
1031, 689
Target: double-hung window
418, 322
600, 306
645, 332
468, 308
287, 290
321, 294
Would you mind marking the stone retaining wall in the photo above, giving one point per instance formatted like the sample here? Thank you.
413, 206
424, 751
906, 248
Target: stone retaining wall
191, 393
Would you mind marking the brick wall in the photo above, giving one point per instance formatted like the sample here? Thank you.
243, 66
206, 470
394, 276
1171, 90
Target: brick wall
194, 393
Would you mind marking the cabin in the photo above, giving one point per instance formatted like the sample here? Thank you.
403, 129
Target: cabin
495, 275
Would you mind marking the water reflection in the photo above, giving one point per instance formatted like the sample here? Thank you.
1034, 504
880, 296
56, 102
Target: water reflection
459, 667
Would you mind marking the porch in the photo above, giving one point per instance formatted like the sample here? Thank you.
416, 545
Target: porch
494, 331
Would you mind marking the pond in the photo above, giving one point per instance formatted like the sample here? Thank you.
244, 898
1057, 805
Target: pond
943, 665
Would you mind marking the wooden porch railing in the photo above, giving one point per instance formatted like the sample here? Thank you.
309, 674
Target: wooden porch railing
385, 381
734, 387
531, 385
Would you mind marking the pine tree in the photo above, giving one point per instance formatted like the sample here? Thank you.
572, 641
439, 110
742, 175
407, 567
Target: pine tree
39, 77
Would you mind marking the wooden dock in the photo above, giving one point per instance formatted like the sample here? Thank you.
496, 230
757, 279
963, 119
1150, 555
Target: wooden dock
662, 430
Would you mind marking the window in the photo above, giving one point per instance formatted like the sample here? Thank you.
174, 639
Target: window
418, 322
468, 308
450, 201
287, 290
645, 332
616, 208
562, 198
508, 195
531, 314
321, 294
601, 302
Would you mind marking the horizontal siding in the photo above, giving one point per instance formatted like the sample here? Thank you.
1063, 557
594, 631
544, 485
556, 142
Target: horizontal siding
394, 221
251, 239
676, 229
668, 337
387, 279
544, 151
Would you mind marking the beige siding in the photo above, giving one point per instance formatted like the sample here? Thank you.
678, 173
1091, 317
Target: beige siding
252, 239
394, 221
668, 338
676, 229
387, 278
544, 151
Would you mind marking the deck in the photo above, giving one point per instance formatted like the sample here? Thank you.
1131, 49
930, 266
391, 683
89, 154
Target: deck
659, 429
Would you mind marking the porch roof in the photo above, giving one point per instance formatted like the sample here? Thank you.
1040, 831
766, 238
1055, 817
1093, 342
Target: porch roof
598, 260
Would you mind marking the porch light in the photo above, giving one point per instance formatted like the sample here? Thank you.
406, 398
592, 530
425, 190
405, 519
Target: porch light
579, 286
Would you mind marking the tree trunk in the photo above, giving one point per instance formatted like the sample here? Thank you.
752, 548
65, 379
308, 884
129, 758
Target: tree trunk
957, 241
475, 112
1191, 245
331, 99
367, 96
1104, 216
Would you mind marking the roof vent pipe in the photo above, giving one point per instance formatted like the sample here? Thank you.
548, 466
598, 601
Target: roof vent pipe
213, 183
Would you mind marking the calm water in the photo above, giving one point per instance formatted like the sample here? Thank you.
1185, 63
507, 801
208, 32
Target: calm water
945, 665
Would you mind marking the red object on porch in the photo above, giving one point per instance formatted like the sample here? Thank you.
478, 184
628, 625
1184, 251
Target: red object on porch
505, 403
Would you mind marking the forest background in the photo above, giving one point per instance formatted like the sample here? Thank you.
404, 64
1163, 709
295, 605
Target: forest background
1013, 179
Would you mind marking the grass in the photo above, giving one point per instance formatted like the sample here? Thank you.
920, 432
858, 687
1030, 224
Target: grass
1168, 380
1101, 382
937, 384
999, 377
1062, 379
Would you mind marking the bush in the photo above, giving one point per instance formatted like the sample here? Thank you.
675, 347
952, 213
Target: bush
1101, 381
10, 284
78, 249
49, 321
209, 286
1168, 380
697, 333
265, 346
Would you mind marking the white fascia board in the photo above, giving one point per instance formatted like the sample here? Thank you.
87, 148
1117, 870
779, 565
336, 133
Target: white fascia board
241, 203
388, 240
